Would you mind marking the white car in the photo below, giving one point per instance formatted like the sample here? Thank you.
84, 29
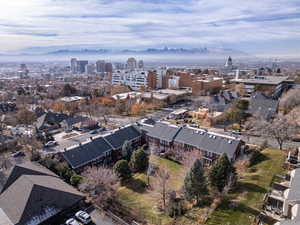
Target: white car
83, 217
50, 144
72, 221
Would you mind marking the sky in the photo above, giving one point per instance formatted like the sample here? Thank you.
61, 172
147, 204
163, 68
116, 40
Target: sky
262, 27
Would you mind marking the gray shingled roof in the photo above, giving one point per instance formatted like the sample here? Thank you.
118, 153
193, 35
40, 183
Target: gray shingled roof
262, 106
162, 131
208, 141
118, 137
86, 152
31, 193
83, 154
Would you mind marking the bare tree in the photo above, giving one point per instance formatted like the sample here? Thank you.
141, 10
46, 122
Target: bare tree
99, 182
290, 100
280, 129
161, 183
189, 157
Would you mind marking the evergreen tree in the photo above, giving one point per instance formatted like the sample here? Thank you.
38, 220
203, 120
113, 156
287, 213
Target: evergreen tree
122, 169
195, 184
221, 173
126, 150
139, 161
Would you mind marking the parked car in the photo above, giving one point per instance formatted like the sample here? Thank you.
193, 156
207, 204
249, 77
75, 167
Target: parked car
236, 132
18, 154
72, 221
50, 144
83, 217
93, 132
101, 129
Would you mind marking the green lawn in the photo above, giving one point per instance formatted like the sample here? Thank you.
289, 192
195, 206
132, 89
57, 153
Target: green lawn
137, 198
244, 204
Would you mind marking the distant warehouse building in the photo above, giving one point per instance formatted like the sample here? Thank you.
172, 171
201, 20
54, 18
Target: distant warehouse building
270, 85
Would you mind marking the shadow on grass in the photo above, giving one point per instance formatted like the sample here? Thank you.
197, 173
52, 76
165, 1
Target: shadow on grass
249, 187
135, 184
257, 158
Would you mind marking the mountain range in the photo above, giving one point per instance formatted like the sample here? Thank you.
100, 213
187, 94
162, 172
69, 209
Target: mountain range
78, 50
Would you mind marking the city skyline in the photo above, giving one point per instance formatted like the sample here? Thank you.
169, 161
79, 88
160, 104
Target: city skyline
261, 28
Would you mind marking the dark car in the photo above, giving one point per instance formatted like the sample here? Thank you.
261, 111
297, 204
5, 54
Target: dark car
18, 154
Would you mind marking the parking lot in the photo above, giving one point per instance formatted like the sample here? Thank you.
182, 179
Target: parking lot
99, 219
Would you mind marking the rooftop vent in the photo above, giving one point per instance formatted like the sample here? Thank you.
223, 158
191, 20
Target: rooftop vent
230, 141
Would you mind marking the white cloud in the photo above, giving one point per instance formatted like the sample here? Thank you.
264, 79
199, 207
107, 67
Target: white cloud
138, 23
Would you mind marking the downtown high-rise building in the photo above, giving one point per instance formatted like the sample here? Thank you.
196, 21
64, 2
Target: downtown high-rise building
141, 64
108, 68
81, 66
100, 66
74, 65
131, 63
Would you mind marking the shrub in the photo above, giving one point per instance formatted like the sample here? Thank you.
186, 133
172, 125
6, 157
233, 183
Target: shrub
122, 169
75, 180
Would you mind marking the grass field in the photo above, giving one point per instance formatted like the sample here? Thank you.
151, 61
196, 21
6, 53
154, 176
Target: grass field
136, 197
244, 204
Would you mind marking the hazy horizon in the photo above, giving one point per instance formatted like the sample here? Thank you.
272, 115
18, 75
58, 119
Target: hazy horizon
269, 28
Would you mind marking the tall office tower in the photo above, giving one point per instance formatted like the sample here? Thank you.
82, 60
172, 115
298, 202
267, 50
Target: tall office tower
108, 67
74, 65
23, 72
90, 69
131, 63
81, 65
100, 66
141, 64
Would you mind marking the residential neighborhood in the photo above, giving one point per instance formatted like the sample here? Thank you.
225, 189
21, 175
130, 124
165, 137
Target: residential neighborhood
139, 112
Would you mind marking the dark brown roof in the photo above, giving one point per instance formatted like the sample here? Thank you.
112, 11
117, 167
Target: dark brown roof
33, 193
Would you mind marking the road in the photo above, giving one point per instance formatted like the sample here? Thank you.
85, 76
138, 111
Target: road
257, 140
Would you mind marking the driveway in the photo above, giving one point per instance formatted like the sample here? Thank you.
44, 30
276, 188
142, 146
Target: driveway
98, 218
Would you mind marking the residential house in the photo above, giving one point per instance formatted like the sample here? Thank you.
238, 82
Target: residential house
50, 121
81, 122
8, 107
34, 195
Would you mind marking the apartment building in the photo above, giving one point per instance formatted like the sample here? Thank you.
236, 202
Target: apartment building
164, 137
102, 149
283, 200
135, 79
210, 85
